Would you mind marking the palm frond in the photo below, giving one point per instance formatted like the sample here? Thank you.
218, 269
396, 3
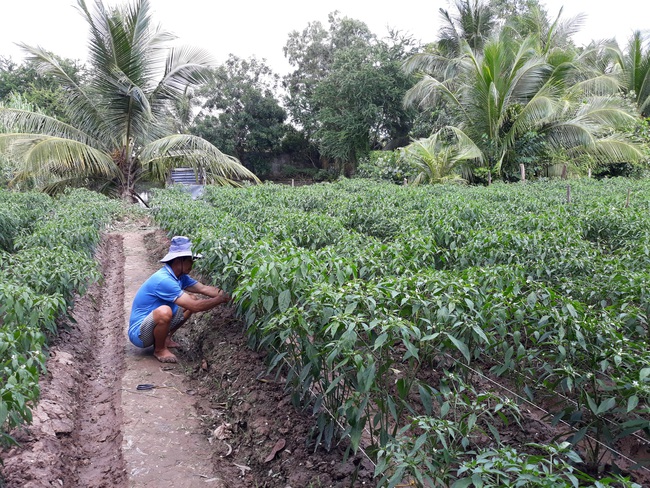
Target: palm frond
83, 109
185, 66
430, 63
25, 121
604, 113
601, 85
186, 150
534, 113
40, 155
527, 81
611, 150
425, 93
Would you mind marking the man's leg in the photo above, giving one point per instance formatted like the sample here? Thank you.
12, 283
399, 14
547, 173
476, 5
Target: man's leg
180, 317
162, 317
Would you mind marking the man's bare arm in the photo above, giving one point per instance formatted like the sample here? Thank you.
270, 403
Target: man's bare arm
209, 291
193, 304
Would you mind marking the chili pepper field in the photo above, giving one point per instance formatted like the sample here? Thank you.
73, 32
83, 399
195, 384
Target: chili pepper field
420, 324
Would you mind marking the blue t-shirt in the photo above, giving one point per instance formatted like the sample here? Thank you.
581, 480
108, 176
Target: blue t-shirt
162, 288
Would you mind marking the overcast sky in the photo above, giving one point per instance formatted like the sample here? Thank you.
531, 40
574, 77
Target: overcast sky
261, 27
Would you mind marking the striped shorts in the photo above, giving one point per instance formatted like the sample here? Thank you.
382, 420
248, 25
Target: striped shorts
148, 324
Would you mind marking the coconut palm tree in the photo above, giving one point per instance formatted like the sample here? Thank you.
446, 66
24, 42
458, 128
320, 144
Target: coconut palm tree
440, 156
122, 128
473, 23
514, 88
635, 66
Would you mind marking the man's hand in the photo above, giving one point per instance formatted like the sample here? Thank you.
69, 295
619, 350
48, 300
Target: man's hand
225, 298
209, 291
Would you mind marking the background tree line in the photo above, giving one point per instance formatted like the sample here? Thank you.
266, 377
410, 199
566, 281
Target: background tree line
501, 85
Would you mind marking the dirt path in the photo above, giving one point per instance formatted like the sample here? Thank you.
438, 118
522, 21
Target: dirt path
163, 444
92, 427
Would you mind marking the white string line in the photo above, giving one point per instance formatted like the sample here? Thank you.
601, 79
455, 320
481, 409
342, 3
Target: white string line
311, 391
324, 407
546, 412
575, 403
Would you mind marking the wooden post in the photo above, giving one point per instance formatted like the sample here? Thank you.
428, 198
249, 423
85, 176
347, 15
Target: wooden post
564, 171
291, 181
568, 193
522, 170
406, 181
489, 178
589, 173
627, 202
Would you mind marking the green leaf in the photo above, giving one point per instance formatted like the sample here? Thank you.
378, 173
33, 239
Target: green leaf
350, 308
420, 441
380, 340
334, 383
425, 396
462, 483
572, 310
284, 300
4, 411
268, 303
606, 405
444, 409
578, 436
461, 346
644, 373
592, 404
632, 402
402, 388
495, 433
531, 300
412, 351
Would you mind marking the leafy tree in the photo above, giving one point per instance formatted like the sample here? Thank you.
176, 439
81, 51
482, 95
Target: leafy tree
360, 101
346, 91
39, 89
121, 129
312, 52
241, 113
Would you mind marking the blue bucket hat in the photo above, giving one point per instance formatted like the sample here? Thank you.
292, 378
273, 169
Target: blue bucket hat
181, 246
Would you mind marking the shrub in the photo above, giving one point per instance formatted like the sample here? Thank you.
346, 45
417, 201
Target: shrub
387, 166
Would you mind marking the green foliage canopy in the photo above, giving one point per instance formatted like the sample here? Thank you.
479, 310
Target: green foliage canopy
241, 113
